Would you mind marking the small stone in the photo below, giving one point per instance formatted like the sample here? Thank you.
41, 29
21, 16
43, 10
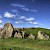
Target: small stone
31, 36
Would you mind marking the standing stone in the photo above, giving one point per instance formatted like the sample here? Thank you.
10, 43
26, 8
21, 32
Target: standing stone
3, 33
23, 33
42, 36
0, 32
31, 36
26, 35
7, 30
17, 35
46, 37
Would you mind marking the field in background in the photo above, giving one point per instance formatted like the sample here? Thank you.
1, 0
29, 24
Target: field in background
35, 31
26, 44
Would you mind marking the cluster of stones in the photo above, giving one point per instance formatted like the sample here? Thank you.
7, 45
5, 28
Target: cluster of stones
8, 31
42, 36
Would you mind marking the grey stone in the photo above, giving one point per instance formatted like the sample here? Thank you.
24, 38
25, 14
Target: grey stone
42, 36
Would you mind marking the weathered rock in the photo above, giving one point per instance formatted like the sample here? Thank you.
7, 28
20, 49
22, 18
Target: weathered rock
14, 31
17, 35
23, 33
7, 30
26, 35
0, 29
42, 36
46, 37
31, 36
0, 32
3, 34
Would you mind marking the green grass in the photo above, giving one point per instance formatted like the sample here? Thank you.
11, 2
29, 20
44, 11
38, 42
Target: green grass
34, 31
26, 44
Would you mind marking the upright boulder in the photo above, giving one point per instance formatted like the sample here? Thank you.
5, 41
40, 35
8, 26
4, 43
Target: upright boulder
31, 36
17, 35
23, 33
42, 36
26, 35
0, 31
7, 30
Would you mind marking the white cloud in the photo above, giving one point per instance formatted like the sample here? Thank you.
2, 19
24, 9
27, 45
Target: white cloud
23, 7
17, 14
22, 17
18, 22
33, 10
8, 15
33, 22
26, 9
26, 19
16, 4
48, 28
14, 11
36, 26
1, 21
0, 16
30, 19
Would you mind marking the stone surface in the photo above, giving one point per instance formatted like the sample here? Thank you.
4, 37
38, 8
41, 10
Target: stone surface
42, 36
17, 35
23, 33
7, 31
31, 36
0, 32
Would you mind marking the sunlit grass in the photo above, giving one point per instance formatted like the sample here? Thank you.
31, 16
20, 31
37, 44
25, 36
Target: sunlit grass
24, 44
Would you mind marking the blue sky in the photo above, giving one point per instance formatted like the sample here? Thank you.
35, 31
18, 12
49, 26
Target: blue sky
25, 13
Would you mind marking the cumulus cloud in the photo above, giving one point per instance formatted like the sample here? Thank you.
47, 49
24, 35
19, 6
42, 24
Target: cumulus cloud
0, 16
33, 10
8, 15
26, 9
48, 28
1, 21
18, 22
30, 19
36, 26
33, 22
26, 19
22, 17
14, 10
18, 5
23, 7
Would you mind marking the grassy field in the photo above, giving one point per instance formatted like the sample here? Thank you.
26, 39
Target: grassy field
26, 44
34, 31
